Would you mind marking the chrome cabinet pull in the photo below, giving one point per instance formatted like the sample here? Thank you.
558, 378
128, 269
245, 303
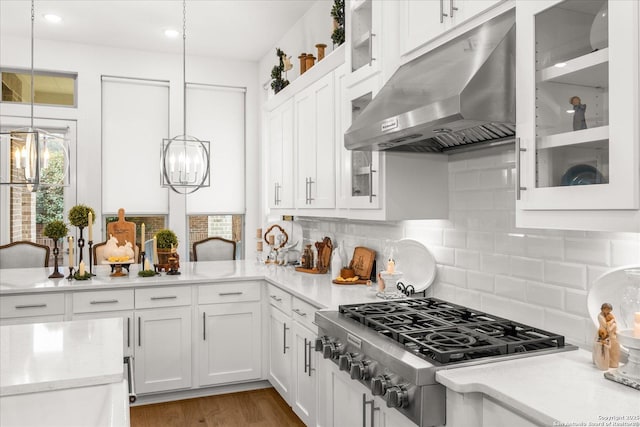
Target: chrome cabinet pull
273, 297
371, 172
299, 312
225, 294
366, 402
311, 181
519, 150
128, 332
139, 332
161, 298
309, 363
204, 326
128, 360
276, 196
284, 340
19, 307
371, 58
306, 190
452, 8
106, 301
305, 355
442, 14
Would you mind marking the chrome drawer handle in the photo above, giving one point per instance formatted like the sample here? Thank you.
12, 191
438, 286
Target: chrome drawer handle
167, 297
276, 298
106, 301
31, 306
224, 294
299, 312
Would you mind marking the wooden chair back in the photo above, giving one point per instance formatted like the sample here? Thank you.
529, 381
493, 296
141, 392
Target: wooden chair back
214, 249
24, 254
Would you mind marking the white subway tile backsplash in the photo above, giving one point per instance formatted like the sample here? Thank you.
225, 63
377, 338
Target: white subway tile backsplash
480, 241
466, 180
454, 276
455, 238
625, 252
480, 281
443, 255
504, 200
494, 263
543, 295
495, 178
471, 200
510, 243
518, 311
468, 298
587, 251
562, 273
546, 247
427, 236
593, 272
444, 291
528, 268
468, 259
510, 287
572, 327
575, 302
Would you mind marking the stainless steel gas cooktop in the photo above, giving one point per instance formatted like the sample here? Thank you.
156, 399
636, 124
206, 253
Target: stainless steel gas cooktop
395, 347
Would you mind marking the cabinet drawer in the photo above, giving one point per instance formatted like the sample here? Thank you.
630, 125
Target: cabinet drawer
89, 302
229, 292
281, 299
304, 313
170, 296
31, 305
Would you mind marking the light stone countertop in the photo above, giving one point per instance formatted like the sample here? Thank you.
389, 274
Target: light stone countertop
554, 389
59, 355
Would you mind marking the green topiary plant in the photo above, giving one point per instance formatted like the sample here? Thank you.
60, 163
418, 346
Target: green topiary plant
55, 230
278, 82
165, 238
337, 12
79, 215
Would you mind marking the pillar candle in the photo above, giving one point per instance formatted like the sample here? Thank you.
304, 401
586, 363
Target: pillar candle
90, 225
70, 251
147, 264
155, 250
81, 268
259, 233
142, 237
391, 266
636, 325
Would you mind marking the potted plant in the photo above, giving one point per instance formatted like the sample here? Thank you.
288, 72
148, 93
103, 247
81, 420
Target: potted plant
337, 12
79, 216
166, 243
278, 82
55, 230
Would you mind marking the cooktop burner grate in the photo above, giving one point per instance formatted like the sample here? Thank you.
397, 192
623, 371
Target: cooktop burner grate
446, 333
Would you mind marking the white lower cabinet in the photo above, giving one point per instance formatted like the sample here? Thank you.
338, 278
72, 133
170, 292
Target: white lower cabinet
350, 404
304, 374
127, 324
32, 308
280, 352
163, 349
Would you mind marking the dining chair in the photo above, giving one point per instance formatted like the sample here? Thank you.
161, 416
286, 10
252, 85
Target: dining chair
214, 249
24, 254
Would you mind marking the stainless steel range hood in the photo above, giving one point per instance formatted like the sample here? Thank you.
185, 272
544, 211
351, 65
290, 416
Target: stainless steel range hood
461, 94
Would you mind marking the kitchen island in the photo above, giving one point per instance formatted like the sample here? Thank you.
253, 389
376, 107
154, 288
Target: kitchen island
540, 390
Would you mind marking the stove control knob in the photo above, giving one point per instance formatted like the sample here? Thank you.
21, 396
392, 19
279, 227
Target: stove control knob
359, 370
330, 350
345, 361
397, 397
320, 342
379, 385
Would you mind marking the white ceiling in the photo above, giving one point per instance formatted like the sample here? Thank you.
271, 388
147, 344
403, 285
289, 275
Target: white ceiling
239, 29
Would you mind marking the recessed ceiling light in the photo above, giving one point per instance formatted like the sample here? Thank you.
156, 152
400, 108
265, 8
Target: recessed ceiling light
172, 34
52, 18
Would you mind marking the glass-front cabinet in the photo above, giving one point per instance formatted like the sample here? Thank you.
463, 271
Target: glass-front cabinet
360, 170
577, 105
363, 26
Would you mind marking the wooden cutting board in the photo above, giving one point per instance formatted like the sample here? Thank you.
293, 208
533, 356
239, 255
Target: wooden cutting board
124, 231
362, 261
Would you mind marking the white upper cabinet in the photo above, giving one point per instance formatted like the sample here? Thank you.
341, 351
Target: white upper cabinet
280, 167
364, 24
577, 115
422, 21
314, 137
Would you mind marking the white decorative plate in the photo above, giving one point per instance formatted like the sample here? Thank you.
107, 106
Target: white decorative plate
416, 263
609, 288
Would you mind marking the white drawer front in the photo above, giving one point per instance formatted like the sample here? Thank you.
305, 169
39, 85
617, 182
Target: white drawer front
31, 305
229, 292
89, 302
304, 313
170, 296
281, 299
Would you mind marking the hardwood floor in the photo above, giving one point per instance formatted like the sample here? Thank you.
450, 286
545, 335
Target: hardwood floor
259, 408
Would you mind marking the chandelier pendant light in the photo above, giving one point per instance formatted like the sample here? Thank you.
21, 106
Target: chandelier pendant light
185, 160
30, 147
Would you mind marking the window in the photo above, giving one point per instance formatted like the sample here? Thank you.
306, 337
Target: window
226, 226
49, 88
152, 224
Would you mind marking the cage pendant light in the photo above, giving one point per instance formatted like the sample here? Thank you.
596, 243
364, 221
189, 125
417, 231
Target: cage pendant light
25, 152
185, 159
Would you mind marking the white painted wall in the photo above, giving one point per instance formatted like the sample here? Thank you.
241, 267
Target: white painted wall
90, 62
